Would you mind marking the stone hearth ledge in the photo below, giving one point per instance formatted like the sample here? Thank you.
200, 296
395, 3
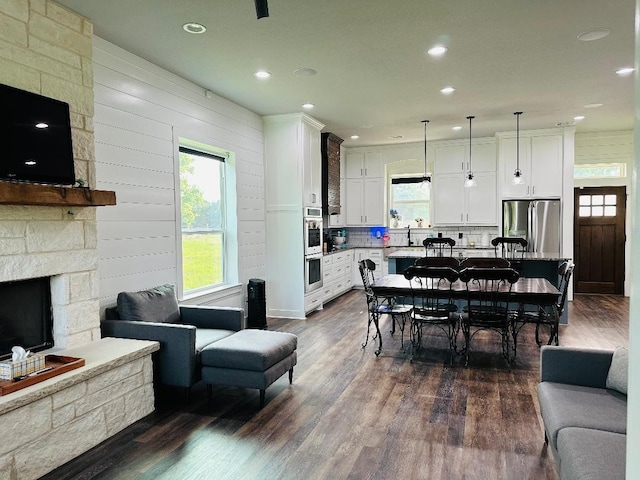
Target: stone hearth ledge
100, 356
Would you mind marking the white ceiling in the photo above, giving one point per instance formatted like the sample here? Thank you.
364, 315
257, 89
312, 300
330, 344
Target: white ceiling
374, 77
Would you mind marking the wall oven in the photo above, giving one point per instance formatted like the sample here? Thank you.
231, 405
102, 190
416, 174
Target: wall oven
312, 273
312, 231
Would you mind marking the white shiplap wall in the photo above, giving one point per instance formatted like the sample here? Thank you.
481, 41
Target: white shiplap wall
140, 109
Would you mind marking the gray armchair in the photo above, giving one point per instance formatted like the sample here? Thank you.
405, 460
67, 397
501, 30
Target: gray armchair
183, 331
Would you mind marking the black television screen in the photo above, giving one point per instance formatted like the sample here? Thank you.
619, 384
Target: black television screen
35, 138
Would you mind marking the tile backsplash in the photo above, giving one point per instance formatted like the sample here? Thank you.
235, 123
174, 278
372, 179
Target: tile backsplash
399, 237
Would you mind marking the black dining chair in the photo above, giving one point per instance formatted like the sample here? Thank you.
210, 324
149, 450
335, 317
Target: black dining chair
488, 292
440, 245
451, 262
377, 306
545, 317
485, 262
511, 248
433, 304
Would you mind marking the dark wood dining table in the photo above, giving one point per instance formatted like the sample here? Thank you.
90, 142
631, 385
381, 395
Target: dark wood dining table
527, 291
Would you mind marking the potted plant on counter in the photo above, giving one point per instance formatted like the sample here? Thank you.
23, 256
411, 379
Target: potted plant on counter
395, 217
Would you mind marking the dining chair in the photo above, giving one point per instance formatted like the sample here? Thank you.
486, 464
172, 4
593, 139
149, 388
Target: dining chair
451, 262
485, 262
545, 316
377, 306
488, 292
511, 248
439, 245
433, 303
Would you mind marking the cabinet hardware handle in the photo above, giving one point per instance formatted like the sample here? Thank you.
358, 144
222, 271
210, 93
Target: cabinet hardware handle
366, 172
533, 190
362, 172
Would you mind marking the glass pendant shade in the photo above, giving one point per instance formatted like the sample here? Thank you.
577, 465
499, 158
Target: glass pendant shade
469, 180
517, 174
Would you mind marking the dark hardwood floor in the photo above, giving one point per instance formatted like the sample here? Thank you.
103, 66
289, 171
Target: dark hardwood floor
350, 414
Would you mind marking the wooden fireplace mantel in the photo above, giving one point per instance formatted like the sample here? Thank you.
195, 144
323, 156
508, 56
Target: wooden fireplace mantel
49, 195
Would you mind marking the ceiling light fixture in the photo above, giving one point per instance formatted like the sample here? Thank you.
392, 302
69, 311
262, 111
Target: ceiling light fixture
470, 181
623, 72
426, 178
194, 27
308, 106
593, 105
304, 72
456, 128
517, 174
595, 34
579, 117
354, 137
262, 9
437, 50
447, 90
42, 125
262, 74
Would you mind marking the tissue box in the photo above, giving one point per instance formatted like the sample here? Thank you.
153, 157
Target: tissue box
10, 370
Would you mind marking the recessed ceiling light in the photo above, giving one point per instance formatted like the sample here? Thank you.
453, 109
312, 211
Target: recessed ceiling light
579, 117
593, 105
447, 90
354, 137
193, 27
42, 125
262, 74
304, 72
457, 127
437, 51
308, 106
396, 137
595, 34
623, 72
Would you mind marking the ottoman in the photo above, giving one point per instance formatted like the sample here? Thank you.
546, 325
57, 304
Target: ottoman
249, 359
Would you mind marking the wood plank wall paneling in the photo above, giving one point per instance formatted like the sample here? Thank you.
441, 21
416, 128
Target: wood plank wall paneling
138, 108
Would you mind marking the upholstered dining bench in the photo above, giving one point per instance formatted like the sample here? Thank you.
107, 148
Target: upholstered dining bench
249, 359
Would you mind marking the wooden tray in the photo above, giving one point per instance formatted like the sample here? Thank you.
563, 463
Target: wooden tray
58, 363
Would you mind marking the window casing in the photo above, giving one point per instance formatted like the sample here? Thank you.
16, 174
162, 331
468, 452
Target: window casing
202, 219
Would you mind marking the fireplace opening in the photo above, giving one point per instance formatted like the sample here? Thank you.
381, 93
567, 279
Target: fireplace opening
26, 318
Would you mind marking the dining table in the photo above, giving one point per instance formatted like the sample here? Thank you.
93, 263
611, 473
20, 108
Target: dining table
533, 292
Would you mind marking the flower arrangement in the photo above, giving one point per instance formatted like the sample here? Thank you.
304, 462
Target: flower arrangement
394, 213
419, 219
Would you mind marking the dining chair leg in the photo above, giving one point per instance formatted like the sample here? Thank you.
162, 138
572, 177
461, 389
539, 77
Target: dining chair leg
366, 341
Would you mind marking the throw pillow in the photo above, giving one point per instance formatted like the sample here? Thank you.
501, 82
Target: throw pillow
618, 372
157, 304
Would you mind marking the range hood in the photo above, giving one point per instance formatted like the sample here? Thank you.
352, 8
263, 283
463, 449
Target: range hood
331, 173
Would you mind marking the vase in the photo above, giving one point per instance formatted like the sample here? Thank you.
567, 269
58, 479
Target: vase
395, 223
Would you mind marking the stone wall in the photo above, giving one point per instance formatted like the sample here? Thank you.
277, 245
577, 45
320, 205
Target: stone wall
46, 49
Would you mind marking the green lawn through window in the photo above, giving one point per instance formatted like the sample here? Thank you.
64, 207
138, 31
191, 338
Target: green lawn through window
202, 260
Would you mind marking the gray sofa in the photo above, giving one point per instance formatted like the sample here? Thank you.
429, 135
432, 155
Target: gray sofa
583, 403
183, 331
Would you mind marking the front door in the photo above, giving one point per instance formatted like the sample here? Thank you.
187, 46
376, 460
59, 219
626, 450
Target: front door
599, 226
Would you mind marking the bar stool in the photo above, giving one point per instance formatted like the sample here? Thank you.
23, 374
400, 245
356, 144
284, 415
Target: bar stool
439, 244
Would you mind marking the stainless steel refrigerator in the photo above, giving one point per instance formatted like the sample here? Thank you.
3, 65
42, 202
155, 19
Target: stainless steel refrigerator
538, 221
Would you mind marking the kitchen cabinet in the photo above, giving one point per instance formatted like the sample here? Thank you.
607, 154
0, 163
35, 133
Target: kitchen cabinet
367, 164
365, 201
541, 163
293, 171
337, 276
453, 203
373, 254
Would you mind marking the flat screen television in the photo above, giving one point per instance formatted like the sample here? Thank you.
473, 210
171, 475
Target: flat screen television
35, 138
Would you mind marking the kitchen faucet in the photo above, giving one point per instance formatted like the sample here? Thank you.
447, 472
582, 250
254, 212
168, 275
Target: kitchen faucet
409, 242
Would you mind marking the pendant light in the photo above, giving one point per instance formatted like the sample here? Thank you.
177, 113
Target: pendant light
469, 180
517, 175
426, 178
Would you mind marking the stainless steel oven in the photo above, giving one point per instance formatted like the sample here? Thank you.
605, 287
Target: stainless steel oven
312, 231
312, 273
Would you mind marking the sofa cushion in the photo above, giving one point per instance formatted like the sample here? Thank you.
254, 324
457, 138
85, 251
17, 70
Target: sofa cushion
158, 304
206, 336
255, 350
563, 405
618, 372
587, 454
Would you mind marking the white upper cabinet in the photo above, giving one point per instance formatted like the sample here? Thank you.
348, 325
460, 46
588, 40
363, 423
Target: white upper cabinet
312, 166
368, 164
541, 163
453, 204
365, 202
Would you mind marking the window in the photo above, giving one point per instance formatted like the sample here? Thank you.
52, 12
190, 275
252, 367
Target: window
597, 206
202, 214
410, 199
599, 170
